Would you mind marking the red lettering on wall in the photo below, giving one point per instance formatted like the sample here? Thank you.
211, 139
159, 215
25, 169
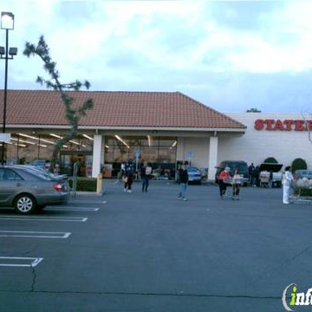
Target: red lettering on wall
279, 125
288, 123
299, 125
309, 125
283, 125
269, 124
259, 125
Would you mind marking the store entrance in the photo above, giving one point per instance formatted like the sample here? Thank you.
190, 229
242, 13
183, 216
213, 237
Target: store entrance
84, 160
159, 152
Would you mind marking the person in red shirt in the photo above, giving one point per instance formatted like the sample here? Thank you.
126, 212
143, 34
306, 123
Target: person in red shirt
222, 179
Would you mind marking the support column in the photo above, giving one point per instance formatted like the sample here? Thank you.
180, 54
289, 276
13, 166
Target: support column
213, 157
98, 154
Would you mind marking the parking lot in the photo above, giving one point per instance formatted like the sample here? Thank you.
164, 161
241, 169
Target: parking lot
154, 252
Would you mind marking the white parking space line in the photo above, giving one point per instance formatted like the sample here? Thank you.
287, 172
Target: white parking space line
86, 203
33, 234
71, 209
59, 219
19, 261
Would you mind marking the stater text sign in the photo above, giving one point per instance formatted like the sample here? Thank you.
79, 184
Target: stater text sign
283, 125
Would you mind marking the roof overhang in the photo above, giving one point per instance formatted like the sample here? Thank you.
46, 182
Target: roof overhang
176, 131
132, 128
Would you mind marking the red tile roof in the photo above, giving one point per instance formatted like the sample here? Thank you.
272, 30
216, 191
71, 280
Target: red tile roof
115, 109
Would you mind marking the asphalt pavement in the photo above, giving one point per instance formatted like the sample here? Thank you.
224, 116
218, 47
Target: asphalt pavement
154, 252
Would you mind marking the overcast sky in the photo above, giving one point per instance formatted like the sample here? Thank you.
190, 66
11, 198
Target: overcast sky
229, 55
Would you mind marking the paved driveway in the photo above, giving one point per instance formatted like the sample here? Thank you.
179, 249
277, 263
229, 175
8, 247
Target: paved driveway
154, 252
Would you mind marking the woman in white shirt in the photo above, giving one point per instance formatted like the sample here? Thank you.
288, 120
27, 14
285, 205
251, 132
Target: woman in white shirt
287, 179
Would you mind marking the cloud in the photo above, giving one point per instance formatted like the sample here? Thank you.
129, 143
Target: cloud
206, 49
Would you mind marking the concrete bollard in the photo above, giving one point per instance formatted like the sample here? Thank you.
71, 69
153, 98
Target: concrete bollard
99, 183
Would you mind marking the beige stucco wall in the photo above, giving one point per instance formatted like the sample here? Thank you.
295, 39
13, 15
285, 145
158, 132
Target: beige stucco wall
257, 145
199, 147
253, 147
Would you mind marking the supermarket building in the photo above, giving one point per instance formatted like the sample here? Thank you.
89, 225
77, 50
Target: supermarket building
162, 128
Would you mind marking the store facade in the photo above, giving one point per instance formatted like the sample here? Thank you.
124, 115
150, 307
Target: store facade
158, 127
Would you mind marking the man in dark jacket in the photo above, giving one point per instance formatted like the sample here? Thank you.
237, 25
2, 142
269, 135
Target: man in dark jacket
129, 174
183, 181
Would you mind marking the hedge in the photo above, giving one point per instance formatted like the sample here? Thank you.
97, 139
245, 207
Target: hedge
84, 184
271, 160
299, 164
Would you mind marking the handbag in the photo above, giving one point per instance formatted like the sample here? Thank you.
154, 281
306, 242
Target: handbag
125, 179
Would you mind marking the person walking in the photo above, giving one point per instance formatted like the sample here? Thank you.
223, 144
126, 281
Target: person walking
145, 173
287, 179
257, 176
121, 173
129, 173
251, 171
223, 181
183, 181
237, 182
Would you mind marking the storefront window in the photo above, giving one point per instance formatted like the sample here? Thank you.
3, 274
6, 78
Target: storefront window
25, 148
155, 150
151, 149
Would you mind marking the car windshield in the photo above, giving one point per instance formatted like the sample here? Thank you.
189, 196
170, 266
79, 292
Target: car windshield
240, 167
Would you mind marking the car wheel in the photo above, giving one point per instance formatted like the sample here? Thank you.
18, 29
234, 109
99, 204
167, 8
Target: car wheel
25, 204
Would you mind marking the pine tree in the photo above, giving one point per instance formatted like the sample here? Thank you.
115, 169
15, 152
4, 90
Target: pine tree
72, 114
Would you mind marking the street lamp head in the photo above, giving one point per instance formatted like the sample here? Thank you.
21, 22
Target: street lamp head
7, 20
2, 50
13, 51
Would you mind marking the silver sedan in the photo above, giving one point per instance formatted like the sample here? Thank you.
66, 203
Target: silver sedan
29, 191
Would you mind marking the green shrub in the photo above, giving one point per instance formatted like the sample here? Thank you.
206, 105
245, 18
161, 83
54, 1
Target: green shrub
298, 164
84, 184
271, 160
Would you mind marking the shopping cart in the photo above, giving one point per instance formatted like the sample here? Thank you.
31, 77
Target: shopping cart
264, 179
300, 188
230, 190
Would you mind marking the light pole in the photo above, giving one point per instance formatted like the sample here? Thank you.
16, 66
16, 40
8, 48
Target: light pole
7, 23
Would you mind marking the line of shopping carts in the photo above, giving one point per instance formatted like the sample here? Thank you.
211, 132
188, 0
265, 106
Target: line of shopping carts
301, 190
